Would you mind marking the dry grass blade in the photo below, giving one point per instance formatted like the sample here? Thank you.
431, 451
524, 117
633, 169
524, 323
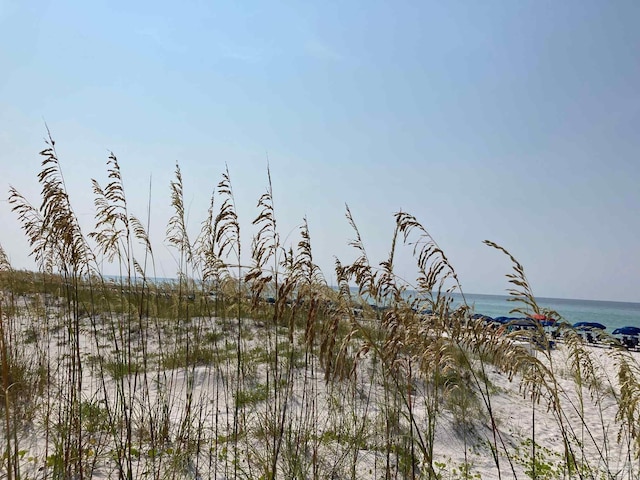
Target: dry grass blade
213, 267
140, 233
434, 269
33, 225
360, 269
389, 287
312, 281
521, 292
177, 229
112, 222
628, 414
53, 229
4, 260
228, 228
265, 245
310, 271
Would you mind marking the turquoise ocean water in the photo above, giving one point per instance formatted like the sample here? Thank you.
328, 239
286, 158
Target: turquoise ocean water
611, 314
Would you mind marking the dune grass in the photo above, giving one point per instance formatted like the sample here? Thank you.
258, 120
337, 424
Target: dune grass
266, 371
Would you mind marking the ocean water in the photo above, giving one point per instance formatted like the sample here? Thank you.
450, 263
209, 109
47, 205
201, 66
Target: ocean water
611, 314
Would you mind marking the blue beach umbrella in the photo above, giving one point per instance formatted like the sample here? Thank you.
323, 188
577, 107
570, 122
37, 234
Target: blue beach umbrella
589, 326
627, 331
485, 318
523, 322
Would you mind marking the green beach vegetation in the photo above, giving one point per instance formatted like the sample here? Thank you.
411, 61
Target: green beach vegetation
266, 371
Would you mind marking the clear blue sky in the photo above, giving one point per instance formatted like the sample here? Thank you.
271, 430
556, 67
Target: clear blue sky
510, 121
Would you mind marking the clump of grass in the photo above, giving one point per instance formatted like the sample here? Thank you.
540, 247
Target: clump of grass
252, 395
118, 370
196, 356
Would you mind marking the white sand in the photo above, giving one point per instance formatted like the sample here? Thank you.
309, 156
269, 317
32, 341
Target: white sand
207, 394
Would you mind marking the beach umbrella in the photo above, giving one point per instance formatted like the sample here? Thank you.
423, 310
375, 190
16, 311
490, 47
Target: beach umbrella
627, 331
589, 326
523, 322
542, 319
546, 321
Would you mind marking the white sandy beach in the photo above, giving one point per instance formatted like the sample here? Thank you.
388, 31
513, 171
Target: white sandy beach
207, 393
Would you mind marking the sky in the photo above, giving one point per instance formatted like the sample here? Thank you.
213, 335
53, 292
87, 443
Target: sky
515, 122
